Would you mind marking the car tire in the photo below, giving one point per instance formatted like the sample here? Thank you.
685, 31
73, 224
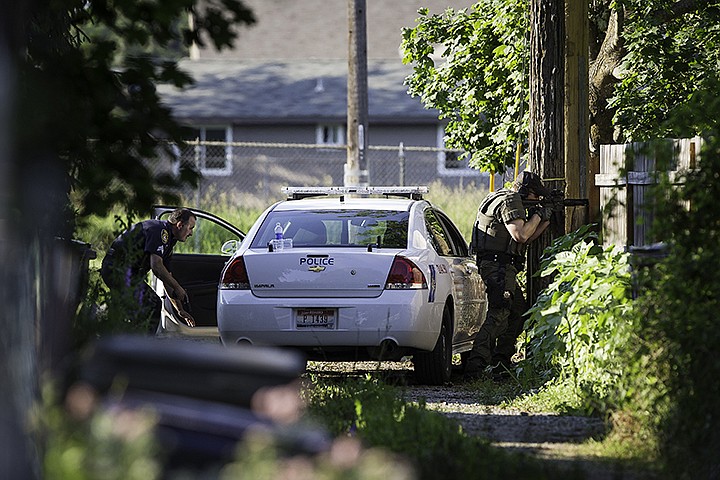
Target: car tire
435, 367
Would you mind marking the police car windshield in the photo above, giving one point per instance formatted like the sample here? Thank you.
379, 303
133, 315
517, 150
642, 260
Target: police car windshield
336, 228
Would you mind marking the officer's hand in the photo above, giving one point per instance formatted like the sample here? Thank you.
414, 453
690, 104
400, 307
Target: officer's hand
535, 209
545, 213
187, 317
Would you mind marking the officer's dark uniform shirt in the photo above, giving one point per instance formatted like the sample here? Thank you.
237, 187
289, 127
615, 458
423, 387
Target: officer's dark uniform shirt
133, 248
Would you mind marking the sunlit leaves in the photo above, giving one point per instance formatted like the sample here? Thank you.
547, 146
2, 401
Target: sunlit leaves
468, 65
670, 57
472, 63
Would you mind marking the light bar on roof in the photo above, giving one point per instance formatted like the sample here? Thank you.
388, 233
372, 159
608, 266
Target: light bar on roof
304, 191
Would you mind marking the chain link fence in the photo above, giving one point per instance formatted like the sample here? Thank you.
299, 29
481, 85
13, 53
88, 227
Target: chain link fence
252, 173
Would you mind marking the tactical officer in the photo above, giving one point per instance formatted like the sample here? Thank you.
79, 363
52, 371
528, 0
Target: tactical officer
146, 246
501, 233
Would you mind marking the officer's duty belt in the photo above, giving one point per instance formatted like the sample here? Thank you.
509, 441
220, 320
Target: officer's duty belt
516, 260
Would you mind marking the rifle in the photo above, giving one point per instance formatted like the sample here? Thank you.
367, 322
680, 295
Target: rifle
556, 201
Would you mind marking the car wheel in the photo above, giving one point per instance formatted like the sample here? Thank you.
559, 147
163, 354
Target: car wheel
434, 368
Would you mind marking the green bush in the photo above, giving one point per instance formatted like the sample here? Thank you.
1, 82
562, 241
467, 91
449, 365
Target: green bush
579, 323
650, 364
675, 366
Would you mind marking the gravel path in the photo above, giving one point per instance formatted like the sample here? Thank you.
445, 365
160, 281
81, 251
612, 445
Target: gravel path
548, 436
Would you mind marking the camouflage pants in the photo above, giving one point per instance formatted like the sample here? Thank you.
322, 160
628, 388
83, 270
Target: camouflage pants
495, 342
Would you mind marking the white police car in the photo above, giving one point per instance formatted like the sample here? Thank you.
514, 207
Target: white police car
353, 273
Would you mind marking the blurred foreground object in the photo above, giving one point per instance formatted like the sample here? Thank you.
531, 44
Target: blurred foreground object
206, 397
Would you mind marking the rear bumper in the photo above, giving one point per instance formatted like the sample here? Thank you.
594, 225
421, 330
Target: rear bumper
402, 316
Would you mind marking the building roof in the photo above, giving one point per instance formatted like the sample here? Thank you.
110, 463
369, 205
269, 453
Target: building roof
300, 29
291, 91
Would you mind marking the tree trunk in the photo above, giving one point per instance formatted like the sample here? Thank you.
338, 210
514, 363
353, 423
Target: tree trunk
602, 84
547, 78
603, 81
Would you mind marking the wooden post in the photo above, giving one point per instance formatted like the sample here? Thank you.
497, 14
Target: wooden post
356, 170
576, 105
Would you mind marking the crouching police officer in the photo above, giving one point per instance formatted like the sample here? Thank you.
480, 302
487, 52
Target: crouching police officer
501, 233
148, 245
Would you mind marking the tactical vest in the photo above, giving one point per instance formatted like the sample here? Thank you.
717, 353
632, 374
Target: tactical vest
489, 232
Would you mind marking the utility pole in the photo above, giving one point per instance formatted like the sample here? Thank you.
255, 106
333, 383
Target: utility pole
547, 126
576, 106
356, 169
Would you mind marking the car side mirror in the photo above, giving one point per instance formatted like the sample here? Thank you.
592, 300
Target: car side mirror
230, 247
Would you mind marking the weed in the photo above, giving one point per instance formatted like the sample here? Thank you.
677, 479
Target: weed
580, 321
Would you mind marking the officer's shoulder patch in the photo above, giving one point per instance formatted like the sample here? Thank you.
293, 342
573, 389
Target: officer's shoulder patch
165, 236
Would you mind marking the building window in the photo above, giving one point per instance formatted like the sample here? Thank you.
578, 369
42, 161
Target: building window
448, 161
330, 135
214, 159
452, 160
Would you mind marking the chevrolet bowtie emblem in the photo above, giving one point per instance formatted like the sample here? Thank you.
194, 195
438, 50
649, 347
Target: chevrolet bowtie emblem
316, 268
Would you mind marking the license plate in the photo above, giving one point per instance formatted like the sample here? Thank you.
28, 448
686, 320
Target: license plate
315, 317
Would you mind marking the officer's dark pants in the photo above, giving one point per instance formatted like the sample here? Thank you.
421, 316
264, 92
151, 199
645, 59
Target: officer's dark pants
495, 343
145, 304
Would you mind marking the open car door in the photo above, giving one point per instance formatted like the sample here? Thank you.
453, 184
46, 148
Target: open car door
197, 264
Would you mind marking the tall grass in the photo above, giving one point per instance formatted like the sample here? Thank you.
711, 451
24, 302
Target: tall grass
240, 209
460, 203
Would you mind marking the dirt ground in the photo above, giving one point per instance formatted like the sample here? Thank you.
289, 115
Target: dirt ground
551, 437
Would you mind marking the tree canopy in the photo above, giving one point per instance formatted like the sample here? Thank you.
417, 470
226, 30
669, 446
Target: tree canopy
87, 102
471, 66
671, 61
646, 59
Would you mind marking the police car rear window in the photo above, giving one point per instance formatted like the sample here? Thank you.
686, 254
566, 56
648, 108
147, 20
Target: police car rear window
336, 228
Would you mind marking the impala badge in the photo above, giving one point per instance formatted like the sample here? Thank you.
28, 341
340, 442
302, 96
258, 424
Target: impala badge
316, 268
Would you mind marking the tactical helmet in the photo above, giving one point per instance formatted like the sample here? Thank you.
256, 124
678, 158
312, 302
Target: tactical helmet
531, 182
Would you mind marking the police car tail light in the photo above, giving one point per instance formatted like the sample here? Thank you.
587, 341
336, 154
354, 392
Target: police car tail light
404, 274
235, 276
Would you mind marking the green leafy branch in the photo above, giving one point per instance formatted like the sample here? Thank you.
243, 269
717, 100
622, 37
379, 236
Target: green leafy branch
469, 64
